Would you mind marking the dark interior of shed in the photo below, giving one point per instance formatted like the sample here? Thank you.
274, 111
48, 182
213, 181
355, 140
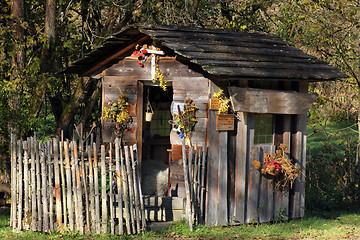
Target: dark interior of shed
156, 140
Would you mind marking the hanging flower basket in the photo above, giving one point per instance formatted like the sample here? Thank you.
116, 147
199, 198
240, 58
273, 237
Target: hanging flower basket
279, 165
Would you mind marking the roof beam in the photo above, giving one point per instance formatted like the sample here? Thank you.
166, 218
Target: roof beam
117, 54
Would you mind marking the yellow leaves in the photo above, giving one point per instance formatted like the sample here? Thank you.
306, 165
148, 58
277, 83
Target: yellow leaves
224, 101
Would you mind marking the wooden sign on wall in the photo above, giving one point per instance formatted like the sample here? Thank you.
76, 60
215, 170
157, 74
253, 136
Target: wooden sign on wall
225, 122
214, 104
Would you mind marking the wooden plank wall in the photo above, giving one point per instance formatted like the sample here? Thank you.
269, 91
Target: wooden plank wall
111, 92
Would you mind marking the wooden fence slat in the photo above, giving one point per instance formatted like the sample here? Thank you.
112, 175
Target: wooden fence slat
142, 211
91, 191
84, 184
131, 189
253, 188
74, 192
20, 186
33, 185
111, 194
103, 191
26, 186
119, 185
13, 216
38, 181
44, 188
136, 191
191, 180
63, 183
69, 200
57, 186
50, 186
78, 190
96, 189
202, 192
126, 193
222, 214
187, 186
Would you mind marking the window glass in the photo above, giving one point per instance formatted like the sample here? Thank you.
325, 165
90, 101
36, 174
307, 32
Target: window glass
263, 129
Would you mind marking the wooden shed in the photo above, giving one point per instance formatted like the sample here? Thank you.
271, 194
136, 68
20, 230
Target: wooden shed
265, 77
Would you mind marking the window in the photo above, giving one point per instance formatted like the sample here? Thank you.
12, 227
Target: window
263, 129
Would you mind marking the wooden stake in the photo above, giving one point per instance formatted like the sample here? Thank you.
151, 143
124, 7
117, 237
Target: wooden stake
50, 192
78, 190
13, 217
63, 183
103, 191
57, 186
119, 186
38, 181
33, 185
44, 188
202, 184
131, 189
84, 183
112, 217
69, 200
126, 193
96, 188
136, 191
91, 192
26, 186
142, 211
187, 186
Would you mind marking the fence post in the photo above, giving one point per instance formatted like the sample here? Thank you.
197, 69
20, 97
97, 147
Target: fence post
103, 190
57, 186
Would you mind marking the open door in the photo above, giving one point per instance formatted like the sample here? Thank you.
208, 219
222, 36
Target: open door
156, 139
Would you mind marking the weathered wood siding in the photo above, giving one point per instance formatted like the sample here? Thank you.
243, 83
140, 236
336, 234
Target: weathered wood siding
250, 196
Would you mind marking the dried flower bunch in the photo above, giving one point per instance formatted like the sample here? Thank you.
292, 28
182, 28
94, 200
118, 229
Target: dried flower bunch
224, 101
278, 163
119, 114
186, 119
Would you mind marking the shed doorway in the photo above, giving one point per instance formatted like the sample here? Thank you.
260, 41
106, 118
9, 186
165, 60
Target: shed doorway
156, 139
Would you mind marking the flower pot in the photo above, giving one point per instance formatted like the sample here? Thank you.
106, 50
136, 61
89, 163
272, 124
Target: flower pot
149, 112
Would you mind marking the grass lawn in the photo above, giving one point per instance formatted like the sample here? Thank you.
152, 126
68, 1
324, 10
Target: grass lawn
325, 225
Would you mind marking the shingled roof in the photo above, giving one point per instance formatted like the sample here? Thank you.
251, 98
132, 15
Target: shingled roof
218, 52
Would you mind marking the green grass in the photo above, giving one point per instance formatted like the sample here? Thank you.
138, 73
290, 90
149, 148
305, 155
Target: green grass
338, 135
325, 225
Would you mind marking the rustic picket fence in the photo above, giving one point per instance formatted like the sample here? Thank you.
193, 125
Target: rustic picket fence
63, 186
194, 164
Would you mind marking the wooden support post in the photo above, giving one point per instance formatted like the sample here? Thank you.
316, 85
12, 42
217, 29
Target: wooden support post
202, 187
74, 187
